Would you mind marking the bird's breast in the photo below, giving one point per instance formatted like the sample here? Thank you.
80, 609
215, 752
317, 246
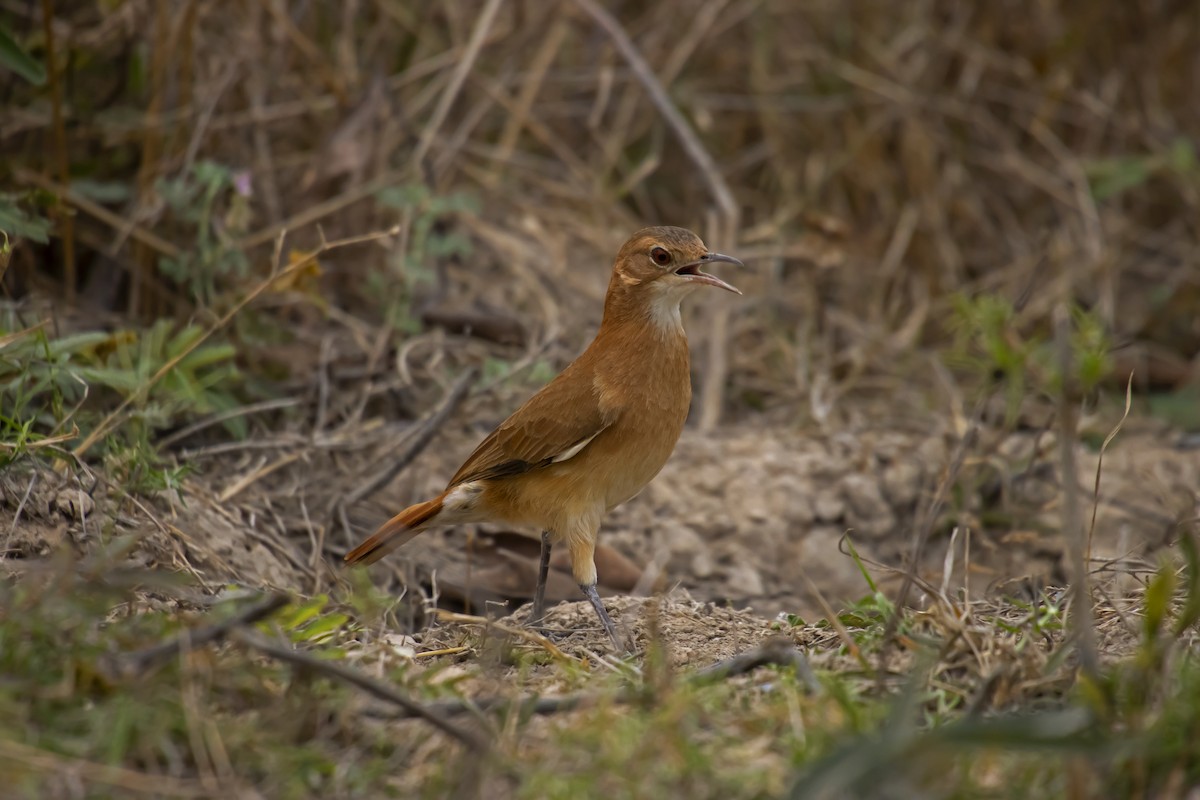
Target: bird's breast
639, 451
654, 396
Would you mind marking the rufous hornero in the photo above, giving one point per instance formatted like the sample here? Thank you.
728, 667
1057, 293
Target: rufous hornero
596, 434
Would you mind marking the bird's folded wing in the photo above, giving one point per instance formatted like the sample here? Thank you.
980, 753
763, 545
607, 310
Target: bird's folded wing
555, 425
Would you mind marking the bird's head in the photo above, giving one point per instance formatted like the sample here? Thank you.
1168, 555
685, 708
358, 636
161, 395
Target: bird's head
671, 258
655, 270
668, 262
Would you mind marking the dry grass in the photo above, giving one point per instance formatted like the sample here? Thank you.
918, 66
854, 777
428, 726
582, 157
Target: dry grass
381, 214
881, 158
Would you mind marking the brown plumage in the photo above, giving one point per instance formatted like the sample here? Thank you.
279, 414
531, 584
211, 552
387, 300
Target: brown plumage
596, 434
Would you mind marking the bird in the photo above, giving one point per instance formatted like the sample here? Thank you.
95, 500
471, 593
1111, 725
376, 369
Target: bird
595, 435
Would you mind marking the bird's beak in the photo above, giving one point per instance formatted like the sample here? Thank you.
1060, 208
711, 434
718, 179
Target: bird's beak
693, 271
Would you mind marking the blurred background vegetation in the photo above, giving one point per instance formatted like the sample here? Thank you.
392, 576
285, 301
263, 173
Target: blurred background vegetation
887, 161
221, 220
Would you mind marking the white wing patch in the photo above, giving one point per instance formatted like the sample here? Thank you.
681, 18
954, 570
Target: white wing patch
574, 449
462, 497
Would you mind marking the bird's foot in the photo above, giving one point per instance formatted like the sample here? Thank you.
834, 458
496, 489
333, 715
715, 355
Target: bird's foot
556, 635
622, 644
536, 622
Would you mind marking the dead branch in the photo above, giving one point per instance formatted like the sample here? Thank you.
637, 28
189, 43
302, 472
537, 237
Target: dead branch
419, 441
776, 651
376, 688
138, 662
1082, 619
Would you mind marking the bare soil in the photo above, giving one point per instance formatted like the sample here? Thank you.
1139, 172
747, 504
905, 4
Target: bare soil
745, 525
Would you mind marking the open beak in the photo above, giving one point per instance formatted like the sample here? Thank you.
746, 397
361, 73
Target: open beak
693, 272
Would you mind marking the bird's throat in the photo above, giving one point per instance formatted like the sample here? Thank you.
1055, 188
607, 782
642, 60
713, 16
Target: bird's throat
665, 317
653, 307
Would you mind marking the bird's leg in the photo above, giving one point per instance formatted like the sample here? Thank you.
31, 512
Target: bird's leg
582, 547
539, 593
589, 590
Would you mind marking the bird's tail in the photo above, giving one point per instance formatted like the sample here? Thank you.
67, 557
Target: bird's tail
395, 532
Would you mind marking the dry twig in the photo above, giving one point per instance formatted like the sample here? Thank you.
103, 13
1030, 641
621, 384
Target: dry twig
1082, 619
133, 664
379, 689
776, 651
425, 431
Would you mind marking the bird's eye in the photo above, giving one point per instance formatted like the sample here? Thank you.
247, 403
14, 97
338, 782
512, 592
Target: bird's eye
660, 256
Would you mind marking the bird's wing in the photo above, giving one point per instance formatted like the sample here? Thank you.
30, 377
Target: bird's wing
554, 425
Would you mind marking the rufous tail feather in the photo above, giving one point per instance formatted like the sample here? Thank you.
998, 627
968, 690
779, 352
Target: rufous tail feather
395, 532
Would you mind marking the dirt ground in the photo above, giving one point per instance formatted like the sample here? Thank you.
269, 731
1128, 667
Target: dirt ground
739, 528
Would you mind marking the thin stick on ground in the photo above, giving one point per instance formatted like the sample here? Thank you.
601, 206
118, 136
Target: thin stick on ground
65, 193
274, 404
1087, 557
49, 442
776, 651
376, 688
1082, 620
132, 664
318, 211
